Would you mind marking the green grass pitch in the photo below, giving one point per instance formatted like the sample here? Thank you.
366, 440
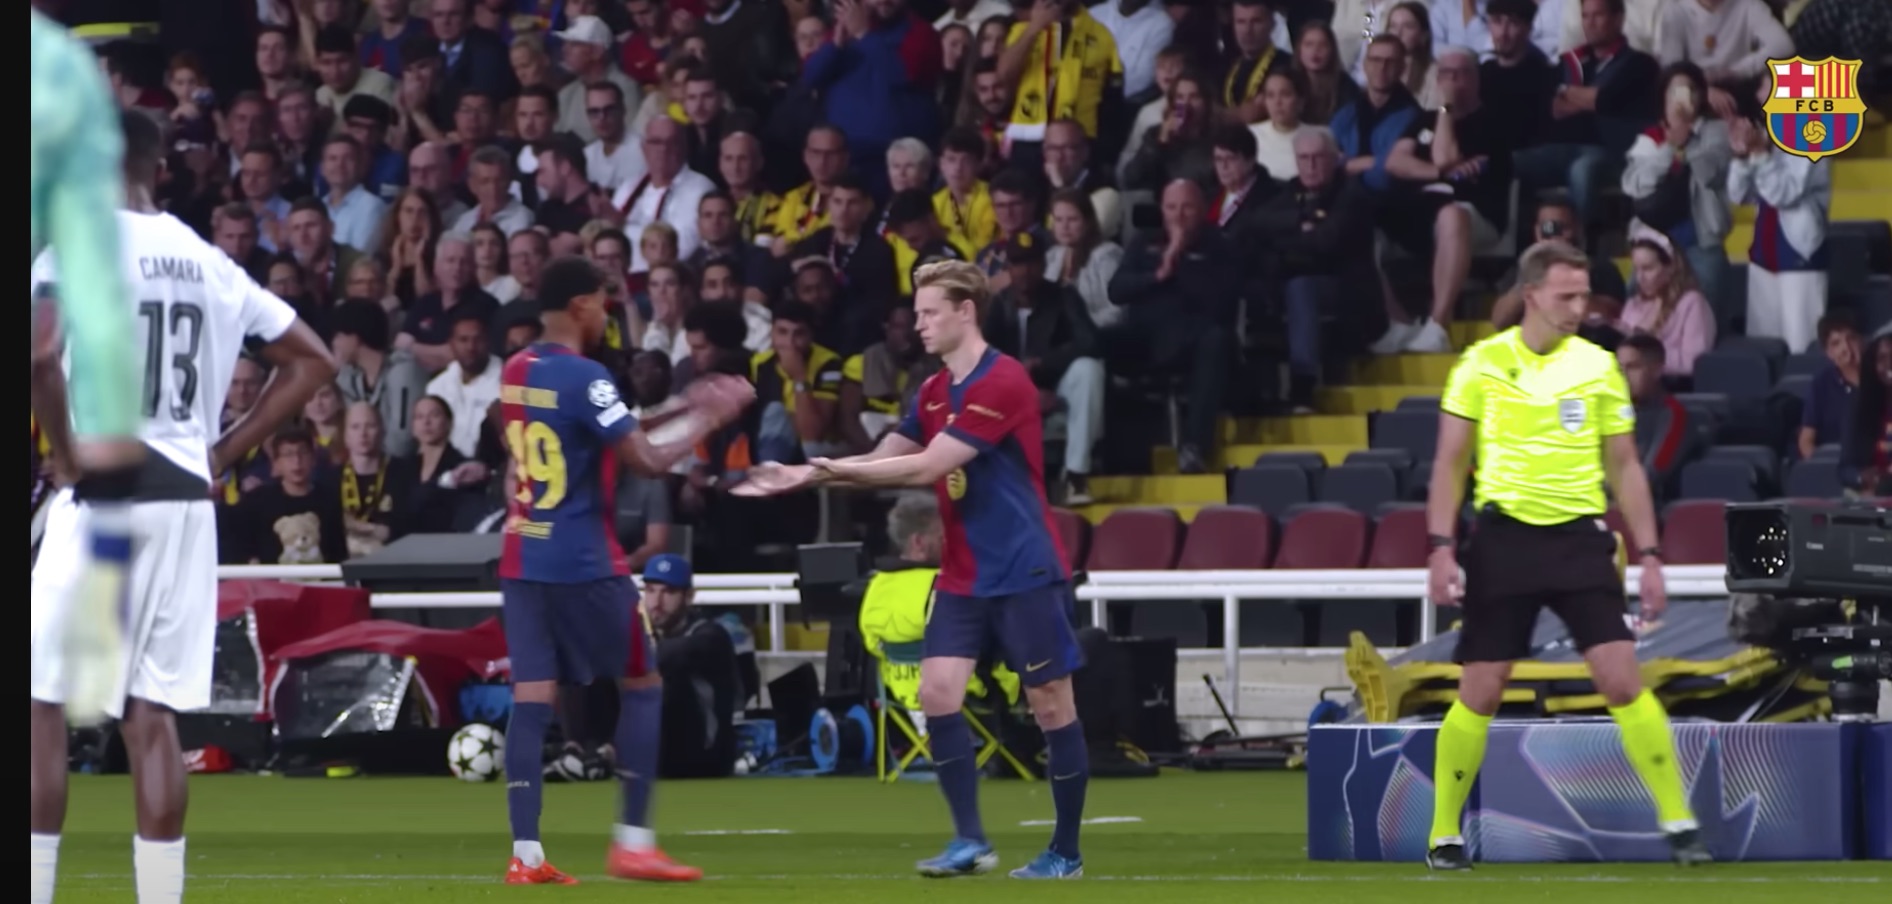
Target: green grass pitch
1194, 838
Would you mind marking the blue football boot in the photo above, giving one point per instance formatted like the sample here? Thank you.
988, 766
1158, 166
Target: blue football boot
1050, 865
961, 858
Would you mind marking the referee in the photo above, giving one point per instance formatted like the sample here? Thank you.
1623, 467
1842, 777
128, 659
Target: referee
1550, 419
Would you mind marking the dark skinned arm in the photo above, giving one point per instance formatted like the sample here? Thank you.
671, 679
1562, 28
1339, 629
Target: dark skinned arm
299, 365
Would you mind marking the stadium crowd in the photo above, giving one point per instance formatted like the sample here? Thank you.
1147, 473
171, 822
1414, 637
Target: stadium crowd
1215, 204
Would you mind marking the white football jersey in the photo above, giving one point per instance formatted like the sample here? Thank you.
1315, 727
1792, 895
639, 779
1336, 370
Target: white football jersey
194, 306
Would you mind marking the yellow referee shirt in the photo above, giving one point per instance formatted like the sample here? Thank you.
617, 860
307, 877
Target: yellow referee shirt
1542, 420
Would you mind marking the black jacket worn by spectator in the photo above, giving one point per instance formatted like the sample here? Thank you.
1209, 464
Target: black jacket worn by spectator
1519, 95
1628, 97
1204, 286
271, 527
703, 689
869, 282
1238, 215
1052, 328
1157, 164
1480, 134
482, 64
750, 52
1341, 216
421, 504
428, 321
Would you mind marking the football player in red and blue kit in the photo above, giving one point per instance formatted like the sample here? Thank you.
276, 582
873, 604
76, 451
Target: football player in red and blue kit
570, 610
975, 434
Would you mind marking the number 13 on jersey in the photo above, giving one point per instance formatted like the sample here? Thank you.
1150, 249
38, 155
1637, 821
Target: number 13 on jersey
538, 460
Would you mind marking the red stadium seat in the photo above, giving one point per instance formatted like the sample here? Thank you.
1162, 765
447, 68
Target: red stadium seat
1694, 532
1136, 539
1074, 533
1323, 538
1228, 537
1399, 539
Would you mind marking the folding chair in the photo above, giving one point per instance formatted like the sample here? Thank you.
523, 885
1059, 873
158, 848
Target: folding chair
891, 710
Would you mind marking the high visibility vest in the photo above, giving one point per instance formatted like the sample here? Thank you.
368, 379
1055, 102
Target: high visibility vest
894, 610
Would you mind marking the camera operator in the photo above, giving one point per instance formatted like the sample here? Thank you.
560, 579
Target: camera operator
896, 598
706, 679
894, 610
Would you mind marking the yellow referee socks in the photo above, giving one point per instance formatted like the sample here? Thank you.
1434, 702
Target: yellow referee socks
1651, 750
1455, 761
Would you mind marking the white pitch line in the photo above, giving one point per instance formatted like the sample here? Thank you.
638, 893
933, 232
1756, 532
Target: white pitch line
1093, 821
740, 832
886, 877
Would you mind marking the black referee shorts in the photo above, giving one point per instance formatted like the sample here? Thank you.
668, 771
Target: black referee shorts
1513, 569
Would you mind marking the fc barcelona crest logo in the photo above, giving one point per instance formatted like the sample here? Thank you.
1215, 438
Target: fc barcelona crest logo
1814, 109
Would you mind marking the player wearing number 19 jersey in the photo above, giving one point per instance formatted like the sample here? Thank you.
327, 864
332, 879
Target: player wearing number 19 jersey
570, 610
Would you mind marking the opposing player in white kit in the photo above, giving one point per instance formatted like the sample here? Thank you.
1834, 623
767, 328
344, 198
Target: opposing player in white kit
194, 307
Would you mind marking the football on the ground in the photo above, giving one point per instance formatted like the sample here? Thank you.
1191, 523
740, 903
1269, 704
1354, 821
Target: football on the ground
476, 753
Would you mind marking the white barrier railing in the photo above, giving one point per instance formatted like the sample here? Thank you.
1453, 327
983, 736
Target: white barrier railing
777, 592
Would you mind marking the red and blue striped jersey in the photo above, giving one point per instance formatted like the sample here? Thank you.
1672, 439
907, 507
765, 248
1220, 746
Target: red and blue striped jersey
1000, 538
562, 418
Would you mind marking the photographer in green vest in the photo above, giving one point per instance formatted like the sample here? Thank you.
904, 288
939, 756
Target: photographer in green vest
898, 595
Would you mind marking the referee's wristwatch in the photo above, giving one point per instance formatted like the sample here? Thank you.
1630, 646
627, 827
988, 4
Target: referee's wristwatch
1650, 552
1439, 541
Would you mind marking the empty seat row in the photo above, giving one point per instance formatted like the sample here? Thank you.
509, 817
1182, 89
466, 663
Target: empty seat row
1239, 538
1753, 473
1368, 481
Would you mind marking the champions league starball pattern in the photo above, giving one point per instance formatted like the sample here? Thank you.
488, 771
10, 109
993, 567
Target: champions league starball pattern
1565, 793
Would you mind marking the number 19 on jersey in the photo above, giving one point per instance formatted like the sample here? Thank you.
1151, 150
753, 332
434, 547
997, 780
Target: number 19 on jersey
538, 463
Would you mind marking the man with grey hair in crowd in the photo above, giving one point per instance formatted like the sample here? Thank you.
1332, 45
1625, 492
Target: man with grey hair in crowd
1455, 164
1308, 226
431, 170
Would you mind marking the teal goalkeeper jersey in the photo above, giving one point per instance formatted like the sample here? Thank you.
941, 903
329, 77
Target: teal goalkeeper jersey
78, 186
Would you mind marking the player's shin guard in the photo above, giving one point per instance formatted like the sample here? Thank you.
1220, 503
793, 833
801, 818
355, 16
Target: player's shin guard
159, 868
951, 742
43, 863
638, 737
1068, 762
1458, 754
525, 752
1650, 747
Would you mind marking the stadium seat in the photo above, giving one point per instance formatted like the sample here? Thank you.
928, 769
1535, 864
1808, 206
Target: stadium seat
1827, 452
1228, 537
1312, 462
1804, 364
1773, 349
1721, 479
1418, 482
1417, 432
1272, 488
1815, 478
1397, 459
1419, 403
1734, 375
1361, 487
1325, 537
1694, 532
1709, 406
1399, 538
1136, 539
1794, 385
1766, 463
1074, 533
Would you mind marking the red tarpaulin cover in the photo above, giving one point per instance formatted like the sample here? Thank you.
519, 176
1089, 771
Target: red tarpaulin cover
444, 660
285, 613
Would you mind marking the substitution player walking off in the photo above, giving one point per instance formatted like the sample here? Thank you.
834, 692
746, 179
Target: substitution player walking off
1549, 417
974, 434
569, 607
196, 307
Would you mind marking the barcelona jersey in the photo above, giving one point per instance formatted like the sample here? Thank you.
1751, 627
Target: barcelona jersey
999, 535
562, 418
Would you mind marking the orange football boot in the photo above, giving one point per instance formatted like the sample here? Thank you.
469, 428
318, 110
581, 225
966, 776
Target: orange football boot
518, 873
649, 865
